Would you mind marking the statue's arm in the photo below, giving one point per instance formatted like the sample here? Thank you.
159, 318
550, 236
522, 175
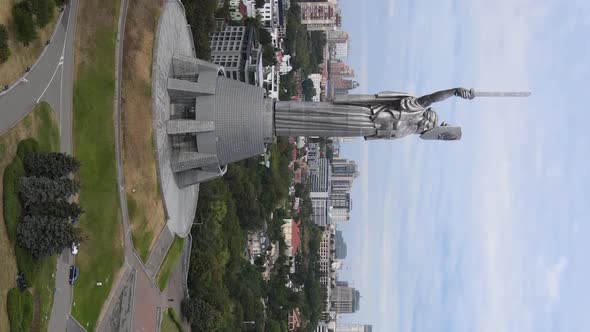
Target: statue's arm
432, 98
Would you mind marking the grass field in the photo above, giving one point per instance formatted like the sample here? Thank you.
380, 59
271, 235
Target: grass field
141, 183
170, 262
41, 125
21, 56
170, 322
94, 146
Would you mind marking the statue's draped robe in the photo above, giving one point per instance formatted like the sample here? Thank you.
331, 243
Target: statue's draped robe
350, 116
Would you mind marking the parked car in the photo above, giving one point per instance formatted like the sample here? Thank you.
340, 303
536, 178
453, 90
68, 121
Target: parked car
75, 247
74, 272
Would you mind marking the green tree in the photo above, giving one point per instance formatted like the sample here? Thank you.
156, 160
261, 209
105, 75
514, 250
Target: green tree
4, 49
308, 89
52, 165
200, 314
45, 236
43, 10
264, 37
61, 210
34, 190
23, 22
268, 55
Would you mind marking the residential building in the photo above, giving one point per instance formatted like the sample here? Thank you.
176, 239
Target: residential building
291, 234
294, 320
317, 85
353, 327
237, 49
320, 16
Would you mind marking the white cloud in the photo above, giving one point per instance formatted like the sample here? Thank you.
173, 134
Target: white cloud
553, 279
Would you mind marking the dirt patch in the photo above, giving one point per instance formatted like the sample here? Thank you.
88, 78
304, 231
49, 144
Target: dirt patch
138, 157
21, 57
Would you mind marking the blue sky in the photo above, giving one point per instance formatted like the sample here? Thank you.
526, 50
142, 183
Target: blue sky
490, 233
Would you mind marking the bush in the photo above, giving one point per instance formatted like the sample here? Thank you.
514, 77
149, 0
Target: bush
27, 265
23, 23
52, 165
43, 10
20, 309
29, 145
12, 206
4, 49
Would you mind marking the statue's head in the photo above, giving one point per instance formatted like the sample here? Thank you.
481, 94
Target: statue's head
429, 121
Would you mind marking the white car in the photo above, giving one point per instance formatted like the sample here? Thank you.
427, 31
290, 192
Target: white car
75, 248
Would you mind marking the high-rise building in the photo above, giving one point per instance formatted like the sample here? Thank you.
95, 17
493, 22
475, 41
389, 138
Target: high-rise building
340, 206
337, 36
340, 69
340, 246
339, 51
344, 172
343, 86
353, 327
344, 299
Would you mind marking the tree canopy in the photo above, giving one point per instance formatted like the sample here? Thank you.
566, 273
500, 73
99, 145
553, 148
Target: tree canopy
45, 236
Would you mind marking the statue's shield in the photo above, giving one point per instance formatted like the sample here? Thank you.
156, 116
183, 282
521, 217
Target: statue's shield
444, 133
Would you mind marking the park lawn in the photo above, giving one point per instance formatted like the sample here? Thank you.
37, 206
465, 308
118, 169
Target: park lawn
41, 125
144, 202
170, 322
21, 57
101, 255
170, 262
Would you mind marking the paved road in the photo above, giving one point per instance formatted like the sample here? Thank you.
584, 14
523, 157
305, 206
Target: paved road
50, 79
58, 92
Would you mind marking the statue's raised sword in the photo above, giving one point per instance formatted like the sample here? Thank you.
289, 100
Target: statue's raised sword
475, 94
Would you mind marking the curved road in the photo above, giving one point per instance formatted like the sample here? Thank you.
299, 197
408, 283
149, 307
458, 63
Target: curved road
51, 80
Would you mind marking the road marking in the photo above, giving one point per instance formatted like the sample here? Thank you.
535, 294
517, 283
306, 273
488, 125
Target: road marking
48, 84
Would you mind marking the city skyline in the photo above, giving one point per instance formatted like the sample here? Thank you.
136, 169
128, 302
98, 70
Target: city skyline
487, 233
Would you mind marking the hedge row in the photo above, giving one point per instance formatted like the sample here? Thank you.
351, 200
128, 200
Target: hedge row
20, 309
12, 206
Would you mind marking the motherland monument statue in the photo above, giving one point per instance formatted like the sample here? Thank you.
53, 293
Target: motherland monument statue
385, 115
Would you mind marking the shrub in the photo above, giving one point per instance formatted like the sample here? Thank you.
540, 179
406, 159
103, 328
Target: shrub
27, 265
23, 23
12, 206
26, 146
19, 305
4, 49
43, 10
52, 165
